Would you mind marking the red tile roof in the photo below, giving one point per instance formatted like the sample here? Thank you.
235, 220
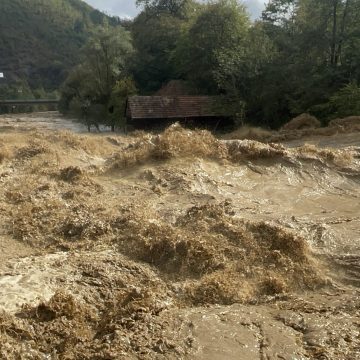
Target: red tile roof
172, 107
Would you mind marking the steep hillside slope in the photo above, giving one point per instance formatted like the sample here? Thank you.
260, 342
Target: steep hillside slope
40, 39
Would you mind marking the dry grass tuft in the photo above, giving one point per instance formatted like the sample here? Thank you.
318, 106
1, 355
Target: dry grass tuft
220, 259
249, 133
71, 174
177, 141
351, 123
341, 157
174, 142
4, 154
33, 149
60, 305
301, 122
115, 315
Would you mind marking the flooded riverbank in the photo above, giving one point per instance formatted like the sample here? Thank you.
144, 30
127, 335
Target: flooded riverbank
178, 246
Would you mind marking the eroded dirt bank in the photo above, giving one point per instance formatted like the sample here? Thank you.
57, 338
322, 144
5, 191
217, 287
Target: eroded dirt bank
177, 246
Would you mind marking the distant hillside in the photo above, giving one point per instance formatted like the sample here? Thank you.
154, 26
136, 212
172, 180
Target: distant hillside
40, 39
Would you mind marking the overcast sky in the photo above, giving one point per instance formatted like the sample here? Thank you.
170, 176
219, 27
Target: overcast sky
127, 8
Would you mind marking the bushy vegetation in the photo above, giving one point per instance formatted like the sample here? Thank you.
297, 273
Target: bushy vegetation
346, 101
96, 90
301, 56
295, 59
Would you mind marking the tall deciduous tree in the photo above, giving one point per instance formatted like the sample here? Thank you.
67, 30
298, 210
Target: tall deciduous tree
106, 58
90, 85
316, 55
156, 33
155, 38
122, 90
216, 39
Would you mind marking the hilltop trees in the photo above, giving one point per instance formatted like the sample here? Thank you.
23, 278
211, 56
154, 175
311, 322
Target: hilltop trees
154, 39
317, 53
156, 32
215, 39
176, 8
105, 57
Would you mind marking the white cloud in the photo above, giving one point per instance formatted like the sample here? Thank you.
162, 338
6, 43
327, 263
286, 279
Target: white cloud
122, 8
255, 7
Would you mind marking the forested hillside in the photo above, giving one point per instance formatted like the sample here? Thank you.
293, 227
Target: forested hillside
40, 39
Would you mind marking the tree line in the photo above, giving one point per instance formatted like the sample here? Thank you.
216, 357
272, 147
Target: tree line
300, 56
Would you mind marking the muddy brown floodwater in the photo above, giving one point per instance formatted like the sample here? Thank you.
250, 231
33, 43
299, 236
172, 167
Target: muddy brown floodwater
177, 246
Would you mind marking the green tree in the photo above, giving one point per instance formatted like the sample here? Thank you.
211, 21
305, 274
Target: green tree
176, 8
315, 55
105, 57
121, 91
346, 101
155, 38
79, 86
88, 90
215, 41
156, 32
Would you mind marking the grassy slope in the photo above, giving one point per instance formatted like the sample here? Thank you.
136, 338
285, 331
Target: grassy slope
40, 39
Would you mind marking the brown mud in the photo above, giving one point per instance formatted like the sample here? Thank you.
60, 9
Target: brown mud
178, 246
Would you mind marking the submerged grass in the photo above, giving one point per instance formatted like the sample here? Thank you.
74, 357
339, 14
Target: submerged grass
303, 126
119, 318
301, 122
5, 153
116, 304
173, 142
208, 247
